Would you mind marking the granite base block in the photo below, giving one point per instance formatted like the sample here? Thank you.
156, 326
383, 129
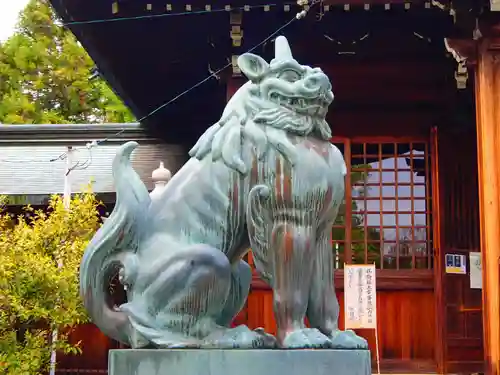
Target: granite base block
239, 362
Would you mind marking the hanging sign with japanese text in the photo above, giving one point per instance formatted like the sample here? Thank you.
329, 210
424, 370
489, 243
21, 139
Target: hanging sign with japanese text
360, 296
495, 5
476, 271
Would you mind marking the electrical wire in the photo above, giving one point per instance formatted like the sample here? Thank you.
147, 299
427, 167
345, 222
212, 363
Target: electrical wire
162, 15
214, 74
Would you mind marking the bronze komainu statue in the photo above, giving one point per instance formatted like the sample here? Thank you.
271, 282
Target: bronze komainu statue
265, 176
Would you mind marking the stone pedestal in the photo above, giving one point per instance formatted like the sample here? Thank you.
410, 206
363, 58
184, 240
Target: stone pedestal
239, 362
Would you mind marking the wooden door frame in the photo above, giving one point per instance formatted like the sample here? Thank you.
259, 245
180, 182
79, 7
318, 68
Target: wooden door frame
440, 342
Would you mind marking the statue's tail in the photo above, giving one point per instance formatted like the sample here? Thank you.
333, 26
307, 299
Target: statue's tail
113, 248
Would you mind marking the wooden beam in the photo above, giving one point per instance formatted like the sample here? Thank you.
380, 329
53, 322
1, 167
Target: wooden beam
386, 280
488, 146
462, 49
379, 2
423, 72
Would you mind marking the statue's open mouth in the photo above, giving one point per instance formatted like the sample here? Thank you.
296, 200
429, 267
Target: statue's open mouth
309, 106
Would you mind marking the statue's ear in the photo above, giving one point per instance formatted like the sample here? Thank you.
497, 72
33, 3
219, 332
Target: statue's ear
253, 66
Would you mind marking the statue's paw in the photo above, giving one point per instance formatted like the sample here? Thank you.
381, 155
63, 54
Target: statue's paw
348, 340
240, 337
306, 338
174, 341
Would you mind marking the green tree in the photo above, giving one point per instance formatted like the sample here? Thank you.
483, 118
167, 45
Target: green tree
45, 75
40, 254
359, 175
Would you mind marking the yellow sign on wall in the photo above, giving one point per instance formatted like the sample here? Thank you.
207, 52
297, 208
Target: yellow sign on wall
456, 264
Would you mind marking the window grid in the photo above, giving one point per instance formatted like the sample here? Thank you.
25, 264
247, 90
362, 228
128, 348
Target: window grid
386, 217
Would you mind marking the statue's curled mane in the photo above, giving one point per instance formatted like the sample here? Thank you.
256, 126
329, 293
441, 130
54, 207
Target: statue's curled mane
249, 117
281, 97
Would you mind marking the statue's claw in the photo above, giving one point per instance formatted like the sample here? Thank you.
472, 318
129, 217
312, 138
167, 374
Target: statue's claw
188, 345
268, 340
306, 338
348, 340
240, 337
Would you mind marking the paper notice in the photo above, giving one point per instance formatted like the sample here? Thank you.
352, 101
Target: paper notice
360, 296
476, 271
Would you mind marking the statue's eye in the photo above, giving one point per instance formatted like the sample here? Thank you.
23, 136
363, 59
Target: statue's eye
289, 75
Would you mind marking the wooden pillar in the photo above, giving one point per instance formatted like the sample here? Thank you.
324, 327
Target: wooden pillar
488, 142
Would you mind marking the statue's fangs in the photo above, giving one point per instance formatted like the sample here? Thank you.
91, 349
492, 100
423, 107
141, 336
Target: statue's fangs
265, 176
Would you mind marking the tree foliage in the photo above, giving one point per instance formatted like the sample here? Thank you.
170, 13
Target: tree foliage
359, 175
45, 76
40, 254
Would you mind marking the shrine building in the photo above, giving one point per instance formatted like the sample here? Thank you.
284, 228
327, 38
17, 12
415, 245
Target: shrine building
416, 113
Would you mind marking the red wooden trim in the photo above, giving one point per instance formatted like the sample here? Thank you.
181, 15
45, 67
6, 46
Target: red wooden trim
402, 366
386, 280
381, 139
488, 137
